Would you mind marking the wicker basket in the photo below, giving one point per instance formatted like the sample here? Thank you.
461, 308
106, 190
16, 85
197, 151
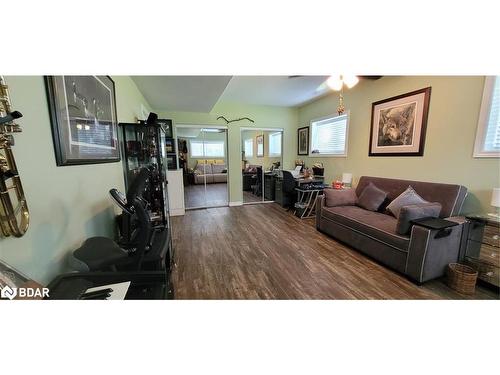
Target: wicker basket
462, 278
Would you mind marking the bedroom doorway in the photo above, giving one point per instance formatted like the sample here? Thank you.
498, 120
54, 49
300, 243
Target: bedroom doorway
261, 163
203, 159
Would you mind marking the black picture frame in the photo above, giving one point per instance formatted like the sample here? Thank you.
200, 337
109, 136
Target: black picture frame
419, 124
73, 113
304, 131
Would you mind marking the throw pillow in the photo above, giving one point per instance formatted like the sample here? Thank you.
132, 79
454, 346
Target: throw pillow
371, 198
335, 197
406, 198
414, 212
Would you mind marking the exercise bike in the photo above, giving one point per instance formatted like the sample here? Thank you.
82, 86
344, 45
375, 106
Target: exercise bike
140, 245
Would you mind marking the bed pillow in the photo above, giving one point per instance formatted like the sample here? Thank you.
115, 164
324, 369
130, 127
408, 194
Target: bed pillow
406, 198
414, 212
335, 197
371, 198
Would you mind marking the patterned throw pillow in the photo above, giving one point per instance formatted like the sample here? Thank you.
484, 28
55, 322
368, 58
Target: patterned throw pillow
371, 198
406, 198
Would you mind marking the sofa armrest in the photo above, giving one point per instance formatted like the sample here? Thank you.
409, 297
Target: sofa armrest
320, 203
428, 256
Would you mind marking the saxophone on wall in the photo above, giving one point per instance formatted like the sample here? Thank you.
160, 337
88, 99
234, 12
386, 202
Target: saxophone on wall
14, 213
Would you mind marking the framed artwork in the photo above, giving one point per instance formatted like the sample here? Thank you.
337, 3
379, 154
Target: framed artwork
169, 145
399, 124
260, 145
303, 141
83, 116
166, 126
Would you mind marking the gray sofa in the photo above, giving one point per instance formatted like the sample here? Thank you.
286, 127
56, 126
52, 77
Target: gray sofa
418, 255
214, 173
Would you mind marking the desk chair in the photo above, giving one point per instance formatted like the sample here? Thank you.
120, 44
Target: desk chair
257, 187
289, 184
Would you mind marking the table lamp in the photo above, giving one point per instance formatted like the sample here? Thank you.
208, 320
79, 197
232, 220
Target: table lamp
347, 179
495, 202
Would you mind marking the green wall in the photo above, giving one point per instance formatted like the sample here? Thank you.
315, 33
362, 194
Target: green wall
264, 117
451, 130
266, 161
67, 204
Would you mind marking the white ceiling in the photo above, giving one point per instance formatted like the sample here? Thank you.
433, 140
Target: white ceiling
201, 93
274, 90
182, 93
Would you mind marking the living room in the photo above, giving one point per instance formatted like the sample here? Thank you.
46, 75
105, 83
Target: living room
269, 192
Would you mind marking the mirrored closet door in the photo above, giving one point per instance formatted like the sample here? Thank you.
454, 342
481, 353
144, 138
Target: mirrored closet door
261, 163
203, 157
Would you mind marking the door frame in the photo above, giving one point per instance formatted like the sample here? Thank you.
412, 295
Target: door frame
206, 126
282, 130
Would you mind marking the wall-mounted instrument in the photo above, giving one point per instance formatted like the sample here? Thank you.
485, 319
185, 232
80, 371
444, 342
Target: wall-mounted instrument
14, 214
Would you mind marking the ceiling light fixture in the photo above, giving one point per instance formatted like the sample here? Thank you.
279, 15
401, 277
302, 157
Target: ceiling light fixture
337, 82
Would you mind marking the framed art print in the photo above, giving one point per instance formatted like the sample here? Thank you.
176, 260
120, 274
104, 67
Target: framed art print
83, 117
303, 141
399, 123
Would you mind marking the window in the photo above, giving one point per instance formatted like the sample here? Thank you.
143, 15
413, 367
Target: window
207, 149
488, 129
329, 136
248, 148
275, 144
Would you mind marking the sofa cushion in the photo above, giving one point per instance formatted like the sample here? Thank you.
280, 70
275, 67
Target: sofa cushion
414, 212
406, 198
377, 225
371, 198
336, 197
218, 168
219, 177
203, 168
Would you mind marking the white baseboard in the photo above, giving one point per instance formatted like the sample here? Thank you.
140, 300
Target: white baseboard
177, 212
233, 204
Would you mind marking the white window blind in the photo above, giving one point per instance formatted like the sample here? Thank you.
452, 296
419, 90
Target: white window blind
329, 136
248, 148
488, 132
275, 144
207, 149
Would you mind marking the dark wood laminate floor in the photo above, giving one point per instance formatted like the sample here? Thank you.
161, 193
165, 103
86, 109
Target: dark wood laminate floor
264, 252
216, 195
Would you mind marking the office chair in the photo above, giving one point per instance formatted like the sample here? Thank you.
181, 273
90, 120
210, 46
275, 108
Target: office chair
257, 188
288, 188
137, 238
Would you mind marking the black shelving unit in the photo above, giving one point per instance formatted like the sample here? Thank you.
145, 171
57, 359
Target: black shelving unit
143, 145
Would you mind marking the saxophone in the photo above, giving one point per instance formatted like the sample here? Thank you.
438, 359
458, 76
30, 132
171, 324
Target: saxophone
14, 213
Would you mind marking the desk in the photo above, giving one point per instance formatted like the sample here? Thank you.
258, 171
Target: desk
285, 199
306, 201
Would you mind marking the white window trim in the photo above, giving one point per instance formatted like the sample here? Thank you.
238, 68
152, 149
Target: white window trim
482, 125
274, 155
344, 155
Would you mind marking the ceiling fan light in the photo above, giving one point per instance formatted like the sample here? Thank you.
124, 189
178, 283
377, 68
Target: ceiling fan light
335, 82
350, 80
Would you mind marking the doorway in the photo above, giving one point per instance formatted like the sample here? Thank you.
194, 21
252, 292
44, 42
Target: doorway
261, 163
203, 159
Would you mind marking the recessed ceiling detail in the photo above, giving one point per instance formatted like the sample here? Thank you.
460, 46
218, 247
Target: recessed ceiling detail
182, 93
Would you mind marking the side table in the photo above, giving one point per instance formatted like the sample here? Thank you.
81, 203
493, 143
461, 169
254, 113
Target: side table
483, 247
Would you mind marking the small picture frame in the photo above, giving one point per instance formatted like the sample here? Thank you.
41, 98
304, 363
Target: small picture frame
170, 145
303, 141
399, 124
259, 140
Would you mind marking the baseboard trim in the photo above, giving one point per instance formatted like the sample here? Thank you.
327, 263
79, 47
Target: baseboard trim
177, 212
234, 204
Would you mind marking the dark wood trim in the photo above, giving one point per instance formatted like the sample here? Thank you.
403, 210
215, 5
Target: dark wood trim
307, 145
425, 114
